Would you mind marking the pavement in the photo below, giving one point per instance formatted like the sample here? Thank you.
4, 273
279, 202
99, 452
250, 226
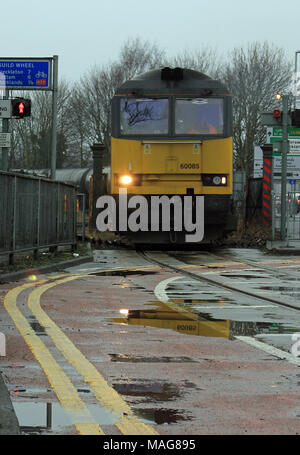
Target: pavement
284, 246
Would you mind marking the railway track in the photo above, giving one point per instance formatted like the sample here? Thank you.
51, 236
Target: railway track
223, 283
237, 302
261, 266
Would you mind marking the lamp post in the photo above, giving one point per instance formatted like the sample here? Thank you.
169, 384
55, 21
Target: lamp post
284, 152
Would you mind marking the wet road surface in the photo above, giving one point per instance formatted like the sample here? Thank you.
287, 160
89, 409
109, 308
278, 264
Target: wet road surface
146, 350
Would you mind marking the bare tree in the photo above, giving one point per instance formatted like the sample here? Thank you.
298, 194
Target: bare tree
254, 76
137, 56
205, 59
32, 135
79, 129
97, 87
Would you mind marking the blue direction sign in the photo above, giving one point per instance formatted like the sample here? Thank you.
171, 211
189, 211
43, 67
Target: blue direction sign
26, 73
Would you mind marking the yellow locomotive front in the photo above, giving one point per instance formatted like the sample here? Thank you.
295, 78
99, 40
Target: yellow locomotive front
172, 136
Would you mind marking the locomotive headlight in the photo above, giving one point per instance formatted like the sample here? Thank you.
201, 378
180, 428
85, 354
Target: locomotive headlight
124, 311
126, 179
214, 180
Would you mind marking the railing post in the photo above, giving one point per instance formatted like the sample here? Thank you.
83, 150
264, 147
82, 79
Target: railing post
11, 255
74, 198
38, 221
98, 177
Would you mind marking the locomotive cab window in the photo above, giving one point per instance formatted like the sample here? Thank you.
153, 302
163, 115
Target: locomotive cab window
199, 116
139, 116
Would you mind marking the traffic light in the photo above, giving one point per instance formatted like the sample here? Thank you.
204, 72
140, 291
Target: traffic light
21, 107
277, 113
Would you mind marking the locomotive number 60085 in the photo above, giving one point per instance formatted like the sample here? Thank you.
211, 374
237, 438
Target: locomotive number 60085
189, 166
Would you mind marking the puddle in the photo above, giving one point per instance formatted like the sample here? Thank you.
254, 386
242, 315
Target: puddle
38, 328
125, 285
161, 416
38, 418
186, 320
280, 288
206, 300
260, 328
247, 277
28, 392
140, 359
155, 391
183, 320
123, 273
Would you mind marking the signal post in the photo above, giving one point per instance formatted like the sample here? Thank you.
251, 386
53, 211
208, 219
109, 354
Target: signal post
6, 134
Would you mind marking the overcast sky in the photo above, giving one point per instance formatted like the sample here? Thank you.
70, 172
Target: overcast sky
88, 32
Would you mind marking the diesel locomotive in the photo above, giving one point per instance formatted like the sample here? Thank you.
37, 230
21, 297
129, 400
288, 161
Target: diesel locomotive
171, 156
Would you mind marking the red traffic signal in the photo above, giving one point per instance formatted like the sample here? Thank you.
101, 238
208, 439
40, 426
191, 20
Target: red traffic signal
21, 107
277, 113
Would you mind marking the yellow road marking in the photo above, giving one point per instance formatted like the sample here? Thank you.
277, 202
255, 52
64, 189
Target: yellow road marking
61, 384
106, 395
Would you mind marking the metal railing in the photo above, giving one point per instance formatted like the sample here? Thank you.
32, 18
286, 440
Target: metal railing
292, 211
35, 213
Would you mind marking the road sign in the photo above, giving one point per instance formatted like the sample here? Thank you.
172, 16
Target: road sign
22, 73
293, 166
5, 109
294, 146
32, 73
5, 140
275, 134
292, 131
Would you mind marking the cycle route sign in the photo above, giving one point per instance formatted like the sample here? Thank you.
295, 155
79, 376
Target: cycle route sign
275, 134
24, 74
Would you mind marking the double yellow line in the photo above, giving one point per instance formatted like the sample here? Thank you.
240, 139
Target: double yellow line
67, 394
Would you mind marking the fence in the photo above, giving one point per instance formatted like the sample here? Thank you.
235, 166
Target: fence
239, 188
292, 210
35, 213
247, 195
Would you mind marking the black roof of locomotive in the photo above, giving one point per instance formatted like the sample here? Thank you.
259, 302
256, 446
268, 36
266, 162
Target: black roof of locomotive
193, 82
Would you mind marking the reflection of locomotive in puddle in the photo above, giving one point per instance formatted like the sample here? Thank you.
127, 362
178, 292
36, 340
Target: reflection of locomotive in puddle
182, 319
172, 316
